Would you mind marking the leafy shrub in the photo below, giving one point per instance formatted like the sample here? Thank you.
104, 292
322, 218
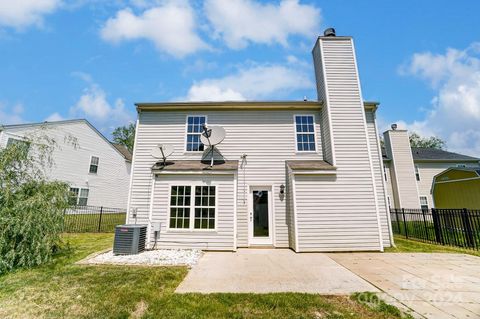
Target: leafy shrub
31, 207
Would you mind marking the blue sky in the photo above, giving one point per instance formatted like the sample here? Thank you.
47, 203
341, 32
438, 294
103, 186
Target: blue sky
94, 59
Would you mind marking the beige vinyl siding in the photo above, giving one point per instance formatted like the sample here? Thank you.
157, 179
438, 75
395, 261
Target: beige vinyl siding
323, 96
339, 212
330, 220
379, 177
109, 187
267, 137
403, 170
219, 239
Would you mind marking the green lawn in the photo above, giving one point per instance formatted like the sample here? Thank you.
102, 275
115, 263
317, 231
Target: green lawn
407, 245
63, 289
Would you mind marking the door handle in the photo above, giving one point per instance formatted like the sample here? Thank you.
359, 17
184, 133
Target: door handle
251, 216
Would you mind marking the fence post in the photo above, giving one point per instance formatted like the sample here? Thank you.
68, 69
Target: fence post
467, 229
427, 237
100, 219
398, 221
405, 223
437, 227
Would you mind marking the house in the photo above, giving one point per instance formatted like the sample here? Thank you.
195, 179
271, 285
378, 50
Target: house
305, 175
409, 172
97, 171
457, 187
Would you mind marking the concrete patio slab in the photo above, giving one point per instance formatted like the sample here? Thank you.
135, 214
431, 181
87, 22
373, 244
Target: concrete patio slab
433, 285
271, 270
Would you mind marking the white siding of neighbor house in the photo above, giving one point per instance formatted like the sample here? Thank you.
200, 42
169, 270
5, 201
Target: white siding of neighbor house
379, 177
267, 137
397, 146
219, 239
340, 212
388, 182
109, 187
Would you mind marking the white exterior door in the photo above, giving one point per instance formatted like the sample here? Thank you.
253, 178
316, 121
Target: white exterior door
260, 216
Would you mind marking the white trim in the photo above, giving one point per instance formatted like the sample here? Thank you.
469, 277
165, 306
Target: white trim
455, 180
235, 192
274, 222
202, 172
192, 207
295, 219
186, 133
375, 195
252, 242
315, 137
327, 102
150, 209
315, 172
132, 168
384, 179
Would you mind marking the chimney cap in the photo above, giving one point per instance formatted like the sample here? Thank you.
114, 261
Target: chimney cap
330, 32
394, 126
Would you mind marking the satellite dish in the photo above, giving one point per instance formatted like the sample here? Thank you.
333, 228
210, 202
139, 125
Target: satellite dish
162, 151
212, 136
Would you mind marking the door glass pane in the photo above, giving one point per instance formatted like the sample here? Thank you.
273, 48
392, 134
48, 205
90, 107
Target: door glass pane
260, 214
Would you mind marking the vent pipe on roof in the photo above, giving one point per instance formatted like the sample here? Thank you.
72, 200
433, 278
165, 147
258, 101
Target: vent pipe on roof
330, 32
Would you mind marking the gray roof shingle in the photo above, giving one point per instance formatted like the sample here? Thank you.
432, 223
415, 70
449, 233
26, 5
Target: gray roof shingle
432, 154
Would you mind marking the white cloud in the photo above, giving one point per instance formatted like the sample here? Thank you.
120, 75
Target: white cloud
170, 26
23, 13
455, 110
255, 82
11, 115
96, 107
54, 117
239, 22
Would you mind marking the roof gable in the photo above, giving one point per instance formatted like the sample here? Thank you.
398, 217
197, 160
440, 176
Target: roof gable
66, 122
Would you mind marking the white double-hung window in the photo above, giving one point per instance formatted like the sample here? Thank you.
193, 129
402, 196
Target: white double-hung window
78, 196
194, 130
192, 207
305, 133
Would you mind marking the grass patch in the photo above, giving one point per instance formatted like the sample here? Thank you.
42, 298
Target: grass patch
371, 300
412, 246
63, 289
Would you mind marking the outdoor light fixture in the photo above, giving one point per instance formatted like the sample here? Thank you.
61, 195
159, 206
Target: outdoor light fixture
282, 189
134, 214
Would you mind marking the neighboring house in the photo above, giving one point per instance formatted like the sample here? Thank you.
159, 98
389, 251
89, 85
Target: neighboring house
301, 174
457, 187
409, 172
97, 171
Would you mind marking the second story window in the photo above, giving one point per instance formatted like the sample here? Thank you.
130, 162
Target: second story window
94, 165
194, 130
305, 133
417, 173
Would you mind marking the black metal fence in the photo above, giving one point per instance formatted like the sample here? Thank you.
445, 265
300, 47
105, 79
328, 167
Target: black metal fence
453, 227
92, 219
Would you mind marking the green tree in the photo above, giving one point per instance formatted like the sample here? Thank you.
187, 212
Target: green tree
426, 142
31, 207
125, 135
